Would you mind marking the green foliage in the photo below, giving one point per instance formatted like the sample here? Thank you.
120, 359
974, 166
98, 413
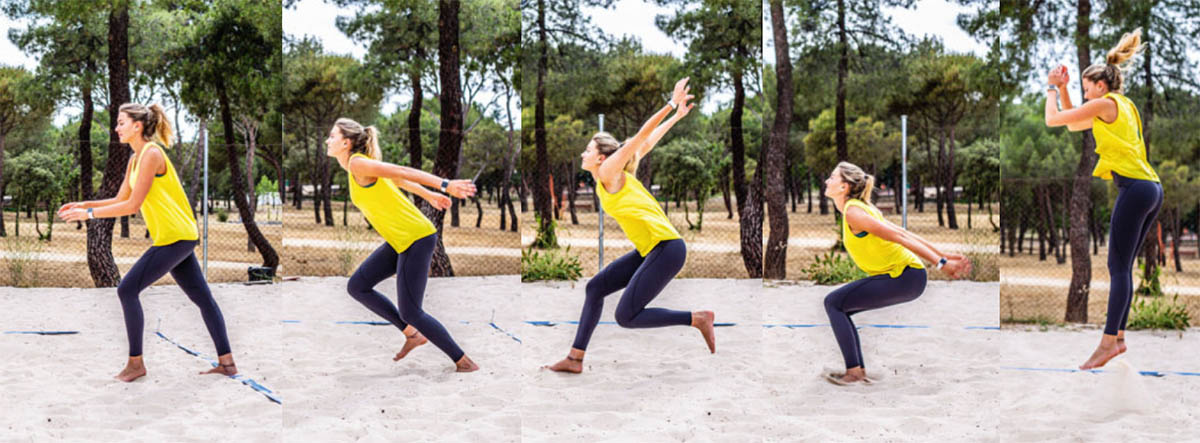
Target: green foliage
833, 269
1158, 313
1149, 287
551, 264
687, 169
222, 215
266, 186
546, 238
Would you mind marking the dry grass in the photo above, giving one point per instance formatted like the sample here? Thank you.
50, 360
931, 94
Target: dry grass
1028, 302
356, 242
227, 243
723, 232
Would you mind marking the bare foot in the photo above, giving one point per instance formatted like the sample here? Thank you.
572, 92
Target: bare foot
703, 320
410, 343
570, 365
465, 364
224, 366
1121, 345
1103, 353
135, 368
852, 375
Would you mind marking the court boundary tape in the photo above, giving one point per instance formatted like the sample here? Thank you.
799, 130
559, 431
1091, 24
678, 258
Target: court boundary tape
43, 332
265, 391
777, 325
1100, 371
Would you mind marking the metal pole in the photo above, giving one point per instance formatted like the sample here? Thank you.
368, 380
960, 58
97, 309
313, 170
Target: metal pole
904, 170
600, 208
204, 204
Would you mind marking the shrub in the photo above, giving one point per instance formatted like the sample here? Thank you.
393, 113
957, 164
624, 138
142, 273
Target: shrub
551, 264
833, 269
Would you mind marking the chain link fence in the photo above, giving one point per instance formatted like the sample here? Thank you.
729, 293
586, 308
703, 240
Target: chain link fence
815, 229
326, 235
1037, 261
712, 232
41, 250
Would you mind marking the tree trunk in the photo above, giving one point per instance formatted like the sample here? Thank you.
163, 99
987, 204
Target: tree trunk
839, 118
450, 136
750, 224
737, 142
775, 258
414, 118
85, 137
101, 264
541, 169
270, 258
1081, 262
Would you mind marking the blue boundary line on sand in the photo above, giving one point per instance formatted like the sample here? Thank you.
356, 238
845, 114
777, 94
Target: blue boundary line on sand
238, 377
575, 322
776, 325
1099, 371
43, 332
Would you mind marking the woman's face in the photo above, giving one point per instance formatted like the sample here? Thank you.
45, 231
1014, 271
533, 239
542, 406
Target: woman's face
835, 187
591, 157
335, 144
1093, 90
127, 129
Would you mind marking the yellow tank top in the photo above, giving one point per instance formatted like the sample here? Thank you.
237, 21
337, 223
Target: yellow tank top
872, 254
166, 210
1120, 145
390, 212
638, 214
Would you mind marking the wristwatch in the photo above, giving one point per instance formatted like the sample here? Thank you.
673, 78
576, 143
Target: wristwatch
90, 214
672, 104
445, 183
941, 262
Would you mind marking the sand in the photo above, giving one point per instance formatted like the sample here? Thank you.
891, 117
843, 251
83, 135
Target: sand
932, 384
1115, 405
657, 384
948, 377
59, 388
344, 386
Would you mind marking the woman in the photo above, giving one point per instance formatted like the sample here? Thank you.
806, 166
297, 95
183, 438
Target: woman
409, 236
886, 252
152, 186
659, 253
1117, 128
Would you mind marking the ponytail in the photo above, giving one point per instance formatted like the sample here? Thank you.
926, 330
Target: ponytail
1116, 62
362, 140
861, 183
155, 125
372, 143
607, 145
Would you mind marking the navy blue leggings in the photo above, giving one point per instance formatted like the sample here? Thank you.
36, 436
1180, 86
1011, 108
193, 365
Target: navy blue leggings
412, 271
180, 261
873, 292
1138, 202
643, 278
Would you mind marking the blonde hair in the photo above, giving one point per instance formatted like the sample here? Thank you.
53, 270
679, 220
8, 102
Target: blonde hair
1117, 60
155, 125
608, 145
861, 183
362, 140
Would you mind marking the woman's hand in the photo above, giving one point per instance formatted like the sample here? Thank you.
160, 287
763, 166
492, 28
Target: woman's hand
1058, 76
73, 214
683, 108
957, 267
680, 92
438, 201
66, 207
460, 188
